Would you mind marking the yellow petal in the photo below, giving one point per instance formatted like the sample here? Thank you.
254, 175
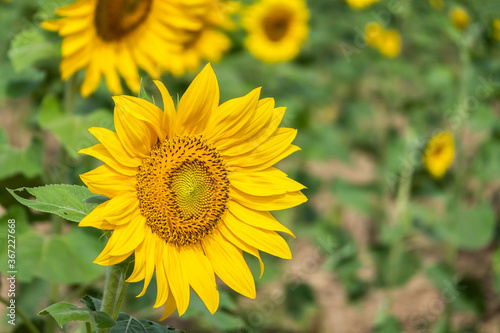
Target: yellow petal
163, 289
270, 181
200, 275
259, 219
224, 230
268, 203
100, 152
112, 260
106, 181
264, 240
134, 134
228, 264
230, 117
250, 140
197, 104
274, 146
170, 306
168, 117
112, 143
177, 278
142, 110
265, 163
96, 220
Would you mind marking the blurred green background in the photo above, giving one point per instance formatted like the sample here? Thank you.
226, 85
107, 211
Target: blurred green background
381, 245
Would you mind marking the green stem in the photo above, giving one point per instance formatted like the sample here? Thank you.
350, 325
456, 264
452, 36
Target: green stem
114, 282
87, 327
70, 93
120, 300
29, 324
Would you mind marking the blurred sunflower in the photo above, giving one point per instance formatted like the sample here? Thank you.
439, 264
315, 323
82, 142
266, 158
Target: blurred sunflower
439, 154
107, 37
208, 42
437, 4
360, 4
496, 29
388, 42
190, 189
276, 29
460, 18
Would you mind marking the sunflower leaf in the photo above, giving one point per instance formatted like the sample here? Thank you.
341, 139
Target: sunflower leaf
128, 324
64, 312
67, 201
71, 130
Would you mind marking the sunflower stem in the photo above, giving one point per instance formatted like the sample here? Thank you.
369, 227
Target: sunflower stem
114, 283
120, 300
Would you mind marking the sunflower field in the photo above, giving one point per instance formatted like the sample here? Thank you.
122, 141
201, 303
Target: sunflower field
328, 166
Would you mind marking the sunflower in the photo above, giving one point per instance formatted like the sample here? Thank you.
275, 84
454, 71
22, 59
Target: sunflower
439, 154
460, 18
276, 29
207, 43
191, 189
107, 37
388, 42
360, 4
496, 29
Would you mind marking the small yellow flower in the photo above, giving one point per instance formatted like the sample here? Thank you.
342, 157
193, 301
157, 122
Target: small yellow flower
191, 188
439, 154
360, 4
388, 42
496, 29
276, 29
460, 18
437, 4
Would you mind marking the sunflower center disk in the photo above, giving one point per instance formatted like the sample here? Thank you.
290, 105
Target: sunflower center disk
183, 189
114, 19
276, 24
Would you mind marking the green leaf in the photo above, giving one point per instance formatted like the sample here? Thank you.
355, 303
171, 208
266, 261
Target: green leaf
64, 312
14, 161
128, 324
67, 201
71, 130
30, 46
470, 228
91, 303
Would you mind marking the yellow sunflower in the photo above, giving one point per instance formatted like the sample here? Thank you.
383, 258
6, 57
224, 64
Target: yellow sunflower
191, 189
388, 42
107, 37
439, 154
207, 43
360, 4
496, 29
460, 18
276, 29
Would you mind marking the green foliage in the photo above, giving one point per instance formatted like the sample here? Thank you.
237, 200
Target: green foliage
128, 324
67, 201
71, 131
14, 161
28, 47
64, 312
48, 257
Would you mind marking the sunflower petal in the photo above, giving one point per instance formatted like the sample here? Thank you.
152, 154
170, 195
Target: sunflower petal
200, 275
197, 104
228, 264
259, 219
177, 278
224, 230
